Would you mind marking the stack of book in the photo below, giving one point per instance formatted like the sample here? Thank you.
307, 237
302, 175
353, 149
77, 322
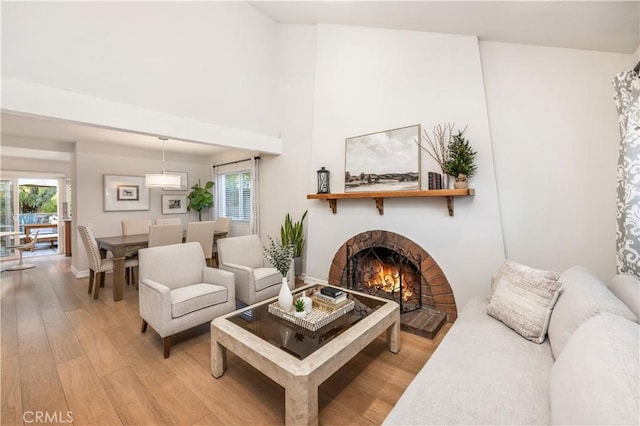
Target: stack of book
330, 299
333, 295
435, 180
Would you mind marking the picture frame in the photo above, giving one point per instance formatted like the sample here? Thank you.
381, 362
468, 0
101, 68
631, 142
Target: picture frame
124, 193
383, 161
184, 181
174, 204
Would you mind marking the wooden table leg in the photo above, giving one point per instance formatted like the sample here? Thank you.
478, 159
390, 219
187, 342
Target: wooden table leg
301, 403
118, 278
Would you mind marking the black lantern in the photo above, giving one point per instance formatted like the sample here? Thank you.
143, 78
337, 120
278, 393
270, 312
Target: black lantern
323, 181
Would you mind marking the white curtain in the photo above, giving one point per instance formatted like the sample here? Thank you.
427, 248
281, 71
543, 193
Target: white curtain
255, 196
214, 179
627, 99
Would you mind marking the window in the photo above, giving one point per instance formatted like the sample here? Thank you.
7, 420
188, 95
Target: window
234, 195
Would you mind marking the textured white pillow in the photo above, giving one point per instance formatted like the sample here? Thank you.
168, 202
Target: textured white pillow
523, 299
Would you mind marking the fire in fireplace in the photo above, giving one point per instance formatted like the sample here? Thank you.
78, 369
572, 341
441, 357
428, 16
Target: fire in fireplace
390, 265
386, 273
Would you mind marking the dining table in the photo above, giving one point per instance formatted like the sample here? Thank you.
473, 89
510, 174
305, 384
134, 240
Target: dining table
118, 246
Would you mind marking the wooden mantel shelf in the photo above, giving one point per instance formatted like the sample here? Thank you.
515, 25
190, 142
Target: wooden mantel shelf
379, 196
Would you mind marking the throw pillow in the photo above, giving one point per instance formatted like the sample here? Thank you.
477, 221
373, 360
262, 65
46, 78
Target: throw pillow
524, 298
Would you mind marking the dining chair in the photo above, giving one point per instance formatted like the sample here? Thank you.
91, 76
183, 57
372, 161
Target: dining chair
163, 235
168, 221
134, 227
223, 225
202, 232
22, 248
96, 263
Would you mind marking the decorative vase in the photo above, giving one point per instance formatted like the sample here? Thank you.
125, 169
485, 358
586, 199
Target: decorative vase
460, 185
308, 304
300, 314
445, 181
285, 298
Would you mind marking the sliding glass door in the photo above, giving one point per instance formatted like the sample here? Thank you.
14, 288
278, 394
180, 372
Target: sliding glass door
9, 220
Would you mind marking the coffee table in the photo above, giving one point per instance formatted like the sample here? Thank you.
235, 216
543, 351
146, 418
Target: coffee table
296, 358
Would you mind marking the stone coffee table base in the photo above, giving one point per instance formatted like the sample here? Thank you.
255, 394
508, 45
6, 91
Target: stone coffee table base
301, 378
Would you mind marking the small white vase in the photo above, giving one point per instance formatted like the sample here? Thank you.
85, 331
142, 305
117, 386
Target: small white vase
285, 298
300, 314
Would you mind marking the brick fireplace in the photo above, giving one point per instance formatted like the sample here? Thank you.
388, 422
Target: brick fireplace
381, 262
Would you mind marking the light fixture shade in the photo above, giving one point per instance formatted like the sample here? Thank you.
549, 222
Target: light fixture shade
162, 180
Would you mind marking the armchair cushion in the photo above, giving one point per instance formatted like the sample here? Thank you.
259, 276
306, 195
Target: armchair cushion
191, 298
266, 277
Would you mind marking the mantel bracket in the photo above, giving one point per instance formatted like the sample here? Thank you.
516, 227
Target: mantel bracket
450, 205
333, 205
380, 205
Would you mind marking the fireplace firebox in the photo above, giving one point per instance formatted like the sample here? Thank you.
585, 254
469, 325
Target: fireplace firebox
385, 273
386, 264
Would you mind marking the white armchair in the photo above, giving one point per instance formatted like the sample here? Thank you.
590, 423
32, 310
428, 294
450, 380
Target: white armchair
256, 279
178, 291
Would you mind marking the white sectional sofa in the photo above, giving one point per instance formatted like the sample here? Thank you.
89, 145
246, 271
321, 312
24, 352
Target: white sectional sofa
585, 372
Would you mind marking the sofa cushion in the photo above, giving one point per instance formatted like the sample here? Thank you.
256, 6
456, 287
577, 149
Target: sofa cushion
523, 299
595, 378
583, 295
266, 277
627, 288
481, 373
191, 298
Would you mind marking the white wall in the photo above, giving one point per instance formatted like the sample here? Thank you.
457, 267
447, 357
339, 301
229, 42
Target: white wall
209, 61
93, 160
284, 180
555, 140
369, 80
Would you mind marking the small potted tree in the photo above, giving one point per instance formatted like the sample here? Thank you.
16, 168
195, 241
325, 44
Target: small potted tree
461, 163
200, 198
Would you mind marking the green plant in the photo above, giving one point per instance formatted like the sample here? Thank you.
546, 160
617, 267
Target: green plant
200, 198
279, 255
299, 305
461, 157
292, 233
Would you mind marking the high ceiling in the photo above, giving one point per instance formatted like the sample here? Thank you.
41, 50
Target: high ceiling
612, 26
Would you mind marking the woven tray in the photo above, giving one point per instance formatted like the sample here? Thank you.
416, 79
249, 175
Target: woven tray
314, 320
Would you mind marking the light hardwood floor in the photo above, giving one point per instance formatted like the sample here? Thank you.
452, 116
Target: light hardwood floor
69, 356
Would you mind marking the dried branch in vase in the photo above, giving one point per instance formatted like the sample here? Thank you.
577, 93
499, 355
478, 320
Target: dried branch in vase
437, 143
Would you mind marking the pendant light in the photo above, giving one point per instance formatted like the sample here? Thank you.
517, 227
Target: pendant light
162, 180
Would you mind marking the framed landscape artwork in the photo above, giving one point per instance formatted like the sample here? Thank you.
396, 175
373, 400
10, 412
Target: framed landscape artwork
174, 204
124, 193
383, 161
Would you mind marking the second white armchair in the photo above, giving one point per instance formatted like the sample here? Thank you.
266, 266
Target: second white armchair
256, 278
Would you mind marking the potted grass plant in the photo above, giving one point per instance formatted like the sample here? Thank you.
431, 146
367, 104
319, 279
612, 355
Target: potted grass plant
292, 233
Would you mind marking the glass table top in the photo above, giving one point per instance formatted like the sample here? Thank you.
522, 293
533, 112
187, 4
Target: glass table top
295, 339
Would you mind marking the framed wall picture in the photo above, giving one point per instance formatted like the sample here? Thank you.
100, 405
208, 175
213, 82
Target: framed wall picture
383, 161
184, 181
124, 193
174, 204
